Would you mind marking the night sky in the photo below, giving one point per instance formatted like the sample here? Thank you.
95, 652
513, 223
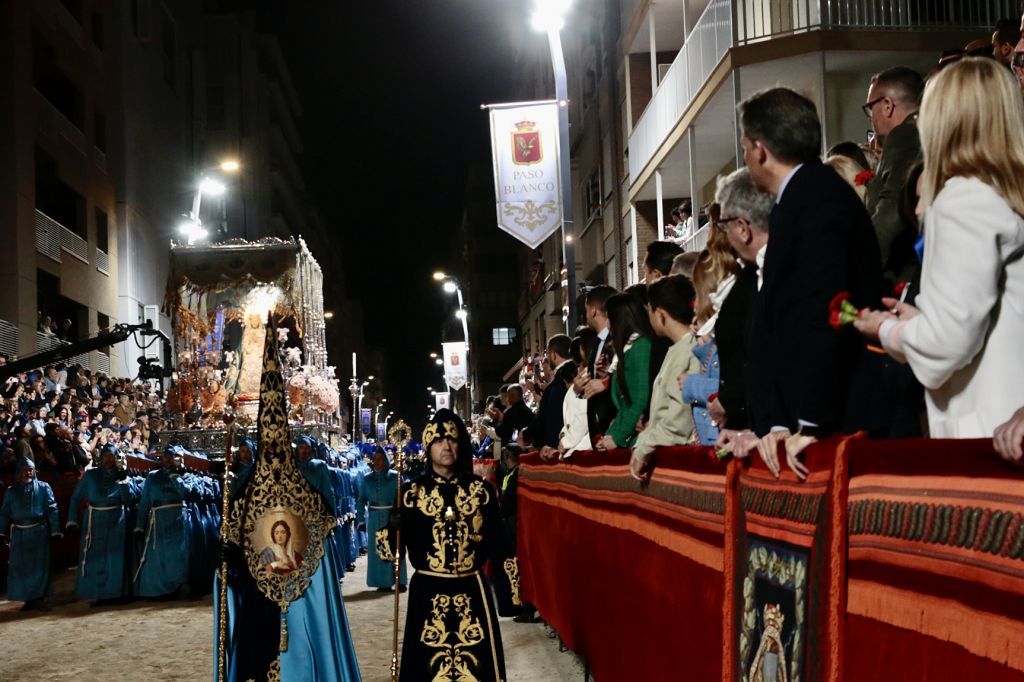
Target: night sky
391, 93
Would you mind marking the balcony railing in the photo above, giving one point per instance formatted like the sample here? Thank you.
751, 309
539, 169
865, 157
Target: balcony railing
45, 342
698, 240
103, 261
52, 238
758, 20
8, 339
704, 48
48, 236
763, 19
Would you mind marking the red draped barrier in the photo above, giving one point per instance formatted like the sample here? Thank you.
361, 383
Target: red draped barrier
895, 560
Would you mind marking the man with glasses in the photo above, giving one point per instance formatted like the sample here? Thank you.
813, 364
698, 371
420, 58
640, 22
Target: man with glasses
893, 100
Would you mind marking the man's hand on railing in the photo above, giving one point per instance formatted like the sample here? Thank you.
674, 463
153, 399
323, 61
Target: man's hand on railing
548, 453
640, 469
739, 443
606, 443
1008, 439
768, 448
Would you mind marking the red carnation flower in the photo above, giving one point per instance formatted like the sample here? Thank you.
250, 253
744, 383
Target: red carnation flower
863, 178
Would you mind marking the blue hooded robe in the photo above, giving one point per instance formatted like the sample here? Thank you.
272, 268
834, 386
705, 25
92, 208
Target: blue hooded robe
164, 518
376, 500
103, 568
29, 518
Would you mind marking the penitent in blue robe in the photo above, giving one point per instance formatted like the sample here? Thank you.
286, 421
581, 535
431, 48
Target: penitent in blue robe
103, 551
374, 508
28, 517
320, 645
164, 517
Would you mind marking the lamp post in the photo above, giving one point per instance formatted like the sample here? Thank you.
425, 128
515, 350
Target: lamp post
549, 16
451, 286
211, 186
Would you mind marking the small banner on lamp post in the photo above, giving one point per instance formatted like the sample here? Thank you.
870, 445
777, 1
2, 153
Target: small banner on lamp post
442, 400
455, 371
365, 416
382, 432
527, 185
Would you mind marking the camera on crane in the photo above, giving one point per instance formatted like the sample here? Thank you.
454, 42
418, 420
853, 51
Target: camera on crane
149, 368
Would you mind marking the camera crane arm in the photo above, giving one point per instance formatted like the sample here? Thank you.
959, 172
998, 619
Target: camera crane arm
117, 334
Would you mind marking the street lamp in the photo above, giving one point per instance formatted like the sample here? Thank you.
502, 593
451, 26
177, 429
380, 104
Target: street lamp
210, 186
451, 286
549, 17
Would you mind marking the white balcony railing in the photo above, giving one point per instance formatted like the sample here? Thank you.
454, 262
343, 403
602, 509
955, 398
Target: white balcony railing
45, 342
704, 48
757, 20
8, 339
74, 244
48, 236
698, 240
103, 261
102, 363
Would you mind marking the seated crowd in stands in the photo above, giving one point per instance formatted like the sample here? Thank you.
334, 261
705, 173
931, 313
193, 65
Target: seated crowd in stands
833, 294
61, 416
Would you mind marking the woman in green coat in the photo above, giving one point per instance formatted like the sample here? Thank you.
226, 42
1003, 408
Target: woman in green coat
632, 337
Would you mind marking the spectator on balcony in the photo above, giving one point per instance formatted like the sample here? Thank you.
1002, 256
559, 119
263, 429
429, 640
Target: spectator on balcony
547, 425
516, 418
892, 103
658, 262
47, 326
684, 227
630, 380
962, 339
64, 334
593, 384
820, 243
670, 312
1005, 36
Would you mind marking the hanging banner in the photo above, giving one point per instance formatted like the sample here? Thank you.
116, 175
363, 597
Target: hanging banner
365, 415
527, 186
455, 370
442, 400
382, 433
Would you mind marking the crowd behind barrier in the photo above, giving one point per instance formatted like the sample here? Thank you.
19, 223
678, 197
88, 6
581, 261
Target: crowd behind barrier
897, 560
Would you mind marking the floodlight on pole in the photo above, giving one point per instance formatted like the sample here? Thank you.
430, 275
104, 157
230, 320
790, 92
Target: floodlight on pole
230, 165
212, 187
549, 15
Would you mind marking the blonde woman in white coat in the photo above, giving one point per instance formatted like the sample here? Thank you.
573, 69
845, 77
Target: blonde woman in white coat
965, 338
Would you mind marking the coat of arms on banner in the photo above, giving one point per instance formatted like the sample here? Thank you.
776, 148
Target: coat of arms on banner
526, 145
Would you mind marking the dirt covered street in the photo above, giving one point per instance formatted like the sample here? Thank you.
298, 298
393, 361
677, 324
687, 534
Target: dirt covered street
173, 641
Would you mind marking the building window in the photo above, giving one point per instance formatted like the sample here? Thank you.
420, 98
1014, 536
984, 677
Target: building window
99, 133
503, 336
592, 191
102, 231
168, 36
53, 84
97, 30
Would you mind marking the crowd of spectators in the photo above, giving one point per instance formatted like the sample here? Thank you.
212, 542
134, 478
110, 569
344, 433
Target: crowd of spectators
877, 288
61, 416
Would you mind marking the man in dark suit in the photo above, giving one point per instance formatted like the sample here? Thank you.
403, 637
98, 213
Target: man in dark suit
594, 385
516, 418
820, 243
547, 425
892, 103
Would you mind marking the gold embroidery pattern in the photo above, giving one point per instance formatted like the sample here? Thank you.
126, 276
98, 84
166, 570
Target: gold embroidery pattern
467, 525
431, 432
383, 546
452, 661
278, 485
512, 571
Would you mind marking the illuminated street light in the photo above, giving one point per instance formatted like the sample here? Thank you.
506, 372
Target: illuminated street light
212, 187
450, 286
439, 276
439, 362
328, 315
461, 314
370, 378
549, 15
230, 165
433, 355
